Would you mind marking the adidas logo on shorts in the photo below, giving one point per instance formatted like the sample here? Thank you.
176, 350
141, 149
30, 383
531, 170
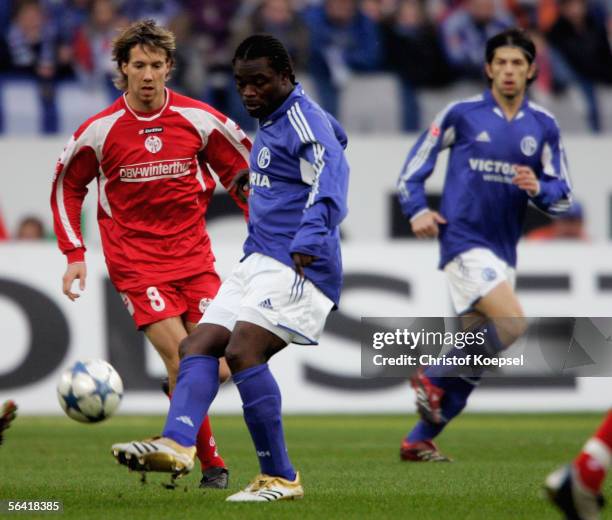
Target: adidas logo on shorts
266, 304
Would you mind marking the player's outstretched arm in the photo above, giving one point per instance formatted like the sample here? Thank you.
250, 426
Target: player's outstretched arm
425, 225
75, 271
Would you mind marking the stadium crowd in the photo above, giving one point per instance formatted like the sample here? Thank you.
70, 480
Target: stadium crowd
425, 44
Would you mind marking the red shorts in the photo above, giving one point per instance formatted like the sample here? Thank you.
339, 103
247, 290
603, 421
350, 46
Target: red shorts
187, 298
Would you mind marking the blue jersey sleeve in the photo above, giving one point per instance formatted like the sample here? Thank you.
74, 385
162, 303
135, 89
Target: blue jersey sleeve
320, 147
555, 195
421, 161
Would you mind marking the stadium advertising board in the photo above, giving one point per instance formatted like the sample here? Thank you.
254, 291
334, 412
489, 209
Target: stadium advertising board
46, 332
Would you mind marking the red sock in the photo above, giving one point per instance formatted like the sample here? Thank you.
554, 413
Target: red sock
596, 456
207, 448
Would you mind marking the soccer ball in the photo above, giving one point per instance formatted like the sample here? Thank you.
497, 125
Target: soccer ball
90, 391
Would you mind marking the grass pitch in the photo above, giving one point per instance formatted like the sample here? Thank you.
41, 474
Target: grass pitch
350, 468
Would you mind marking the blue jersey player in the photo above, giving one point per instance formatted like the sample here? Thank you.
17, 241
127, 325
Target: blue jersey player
284, 287
505, 152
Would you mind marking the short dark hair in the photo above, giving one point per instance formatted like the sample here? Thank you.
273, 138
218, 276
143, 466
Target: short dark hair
266, 46
512, 38
146, 33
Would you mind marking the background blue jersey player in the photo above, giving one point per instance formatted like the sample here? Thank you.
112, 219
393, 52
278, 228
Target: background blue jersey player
505, 152
283, 289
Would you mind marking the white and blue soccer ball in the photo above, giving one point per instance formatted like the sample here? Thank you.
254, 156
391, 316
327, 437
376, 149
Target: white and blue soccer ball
90, 391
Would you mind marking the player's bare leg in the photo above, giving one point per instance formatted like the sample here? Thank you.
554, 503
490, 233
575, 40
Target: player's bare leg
165, 335
502, 307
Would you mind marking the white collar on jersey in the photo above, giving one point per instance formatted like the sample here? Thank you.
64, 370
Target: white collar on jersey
156, 115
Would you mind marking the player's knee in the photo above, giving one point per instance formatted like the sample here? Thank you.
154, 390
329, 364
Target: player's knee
185, 347
240, 358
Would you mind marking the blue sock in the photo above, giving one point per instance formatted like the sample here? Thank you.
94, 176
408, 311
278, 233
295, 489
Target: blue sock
196, 387
439, 374
457, 392
261, 403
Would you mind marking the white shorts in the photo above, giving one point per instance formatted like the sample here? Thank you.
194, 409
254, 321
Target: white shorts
473, 274
266, 292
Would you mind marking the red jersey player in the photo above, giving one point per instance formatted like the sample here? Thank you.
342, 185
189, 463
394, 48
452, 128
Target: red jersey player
151, 153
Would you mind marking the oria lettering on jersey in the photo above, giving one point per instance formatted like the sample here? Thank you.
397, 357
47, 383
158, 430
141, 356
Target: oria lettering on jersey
259, 179
168, 169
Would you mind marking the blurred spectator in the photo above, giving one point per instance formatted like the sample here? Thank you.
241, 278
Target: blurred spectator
343, 40
413, 52
378, 10
6, 9
29, 50
584, 55
569, 226
162, 11
534, 14
466, 31
211, 27
30, 228
93, 47
278, 18
30, 41
66, 16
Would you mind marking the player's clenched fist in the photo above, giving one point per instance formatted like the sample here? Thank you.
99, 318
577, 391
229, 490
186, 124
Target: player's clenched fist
77, 270
526, 180
426, 224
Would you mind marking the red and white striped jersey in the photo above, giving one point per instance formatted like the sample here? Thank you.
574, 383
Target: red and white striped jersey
154, 185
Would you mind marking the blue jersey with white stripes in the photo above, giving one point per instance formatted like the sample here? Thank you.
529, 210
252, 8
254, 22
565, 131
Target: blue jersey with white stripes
299, 184
481, 205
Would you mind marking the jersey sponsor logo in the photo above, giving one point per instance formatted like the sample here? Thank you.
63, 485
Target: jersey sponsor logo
155, 170
259, 179
154, 130
483, 137
263, 158
153, 144
490, 166
529, 145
